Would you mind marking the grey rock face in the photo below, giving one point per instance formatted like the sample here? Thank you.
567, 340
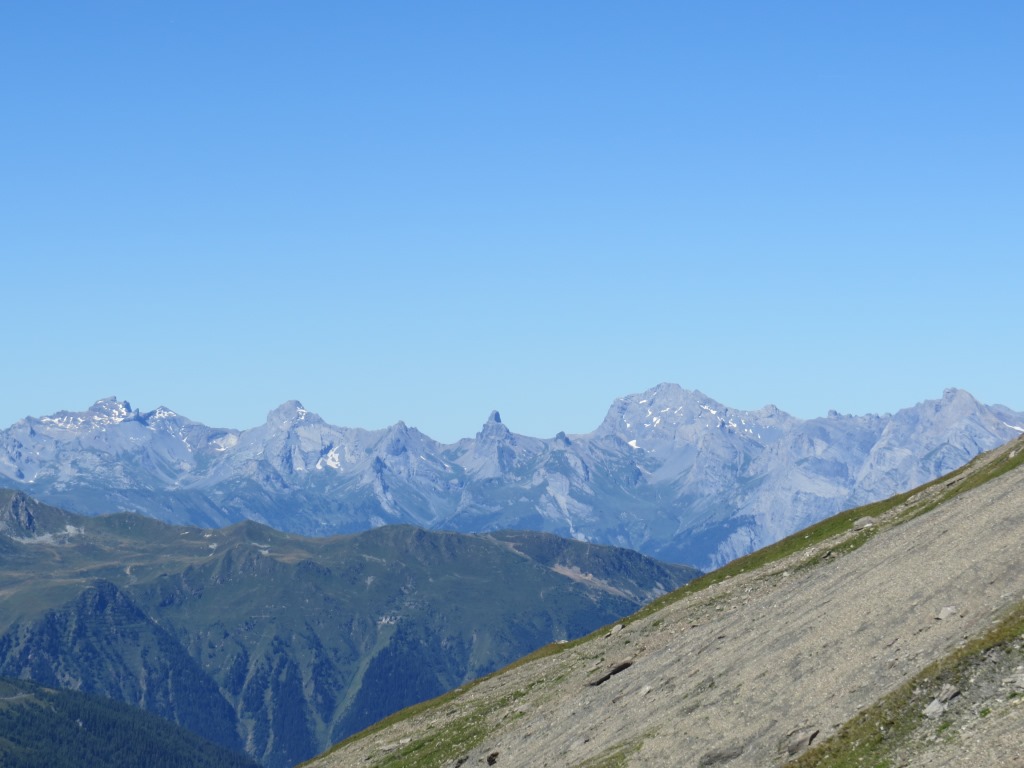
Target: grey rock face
669, 472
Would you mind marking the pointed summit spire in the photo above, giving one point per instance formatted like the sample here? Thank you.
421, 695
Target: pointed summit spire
493, 429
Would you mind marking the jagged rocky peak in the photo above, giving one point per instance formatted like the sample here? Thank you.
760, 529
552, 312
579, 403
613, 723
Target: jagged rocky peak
665, 402
110, 410
404, 433
664, 394
397, 440
959, 398
163, 417
493, 429
291, 414
771, 411
17, 514
954, 404
104, 412
110, 405
955, 407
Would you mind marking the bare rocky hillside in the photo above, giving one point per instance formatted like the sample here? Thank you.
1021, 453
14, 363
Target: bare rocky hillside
862, 622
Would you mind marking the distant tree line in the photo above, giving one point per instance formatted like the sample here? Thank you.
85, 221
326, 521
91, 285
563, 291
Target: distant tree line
43, 728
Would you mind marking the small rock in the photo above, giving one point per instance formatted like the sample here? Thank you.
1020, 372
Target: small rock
492, 758
862, 523
947, 693
1017, 681
613, 630
646, 689
934, 710
720, 756
949, 612
611, 671
800, 740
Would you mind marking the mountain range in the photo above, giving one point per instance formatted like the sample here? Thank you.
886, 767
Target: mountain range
668, 472
279, 645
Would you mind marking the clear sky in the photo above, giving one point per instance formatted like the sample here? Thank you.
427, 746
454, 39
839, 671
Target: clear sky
428, 210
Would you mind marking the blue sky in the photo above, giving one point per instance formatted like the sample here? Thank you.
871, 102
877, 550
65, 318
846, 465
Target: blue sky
425, 211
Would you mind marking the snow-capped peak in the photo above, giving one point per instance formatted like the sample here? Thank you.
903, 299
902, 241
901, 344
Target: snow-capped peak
110, 410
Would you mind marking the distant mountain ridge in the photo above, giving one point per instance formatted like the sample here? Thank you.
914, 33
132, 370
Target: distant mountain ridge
669, 472
276, 644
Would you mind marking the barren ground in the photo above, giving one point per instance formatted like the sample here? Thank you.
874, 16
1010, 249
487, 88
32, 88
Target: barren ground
743, 672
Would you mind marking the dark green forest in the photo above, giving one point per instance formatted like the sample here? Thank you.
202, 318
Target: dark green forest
44, 728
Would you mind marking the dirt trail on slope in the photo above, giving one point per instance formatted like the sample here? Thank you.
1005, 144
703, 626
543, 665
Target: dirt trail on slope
748, 671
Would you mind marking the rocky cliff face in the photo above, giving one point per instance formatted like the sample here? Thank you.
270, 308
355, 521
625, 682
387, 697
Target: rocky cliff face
669, 472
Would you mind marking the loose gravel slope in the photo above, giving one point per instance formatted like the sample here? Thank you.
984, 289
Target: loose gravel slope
751, 670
